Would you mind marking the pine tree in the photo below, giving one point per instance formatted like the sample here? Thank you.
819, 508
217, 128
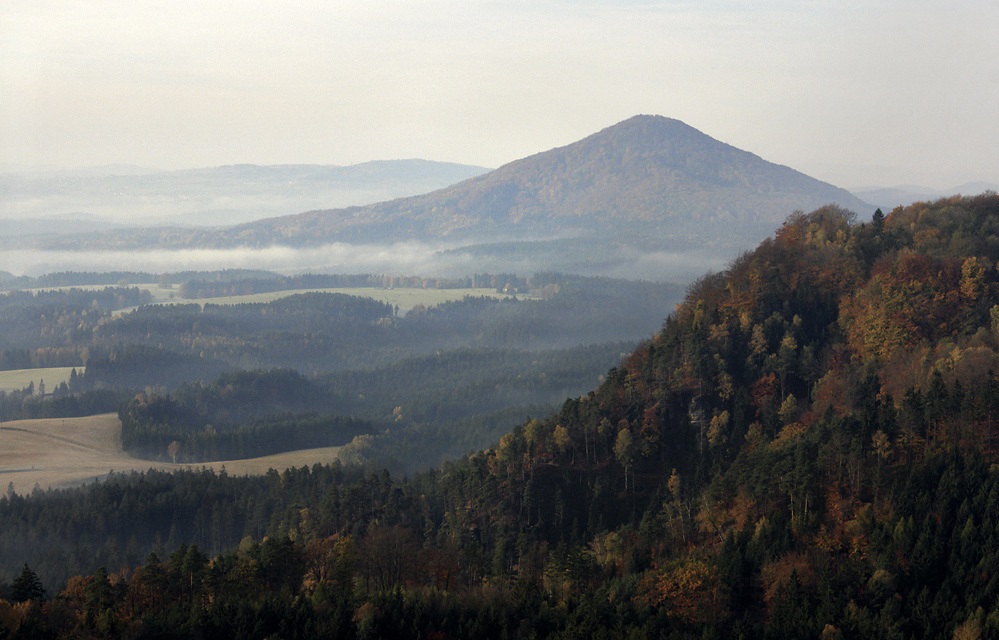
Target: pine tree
27, 586
878, 221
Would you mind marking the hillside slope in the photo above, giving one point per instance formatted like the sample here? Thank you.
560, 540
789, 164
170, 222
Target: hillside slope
807, 449
648, 173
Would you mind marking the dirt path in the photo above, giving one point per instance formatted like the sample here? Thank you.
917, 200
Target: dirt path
62, 452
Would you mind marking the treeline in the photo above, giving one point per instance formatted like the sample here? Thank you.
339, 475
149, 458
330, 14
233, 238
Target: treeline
442, 406
502, 282
80, 279
132, 366
158, 428
24, 405
239, 415
424, 410
315, 332
230, 282
41, 358
61, 319
306, 331
337, 540
116, 278
201, 288
326, 589
248, 395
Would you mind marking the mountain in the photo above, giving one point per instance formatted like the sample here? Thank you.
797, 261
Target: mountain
649, 181
648, 174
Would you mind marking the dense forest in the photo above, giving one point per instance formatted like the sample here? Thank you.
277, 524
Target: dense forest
418, 412
311, 332
433, 383
807, 448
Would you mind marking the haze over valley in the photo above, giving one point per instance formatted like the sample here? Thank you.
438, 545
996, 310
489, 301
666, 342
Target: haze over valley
649, 197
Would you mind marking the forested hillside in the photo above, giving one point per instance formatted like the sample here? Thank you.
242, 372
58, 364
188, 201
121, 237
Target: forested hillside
806, 449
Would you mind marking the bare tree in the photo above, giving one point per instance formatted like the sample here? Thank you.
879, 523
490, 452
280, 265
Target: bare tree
173, 449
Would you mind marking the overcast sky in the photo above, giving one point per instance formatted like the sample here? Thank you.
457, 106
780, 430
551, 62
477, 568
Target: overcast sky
855, 93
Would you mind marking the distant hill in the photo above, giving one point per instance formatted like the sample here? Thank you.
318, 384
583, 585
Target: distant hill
887, 198
649, 181
103, 197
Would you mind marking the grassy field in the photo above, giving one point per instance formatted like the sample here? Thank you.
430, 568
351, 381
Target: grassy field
17, 379
63, 452
406, 299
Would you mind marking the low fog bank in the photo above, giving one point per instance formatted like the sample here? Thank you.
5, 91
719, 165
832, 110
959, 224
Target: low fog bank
407, 258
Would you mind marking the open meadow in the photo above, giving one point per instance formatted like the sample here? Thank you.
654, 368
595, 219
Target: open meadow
17, 379
63, 452
405, 299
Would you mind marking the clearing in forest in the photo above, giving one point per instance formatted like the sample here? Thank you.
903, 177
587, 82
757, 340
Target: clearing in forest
63, 452
17, 379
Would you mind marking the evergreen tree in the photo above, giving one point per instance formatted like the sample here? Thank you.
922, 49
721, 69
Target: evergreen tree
26, 586
878, 221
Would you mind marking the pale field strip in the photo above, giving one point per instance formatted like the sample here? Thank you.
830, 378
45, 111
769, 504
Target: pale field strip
65, 452
17, 379
404, 298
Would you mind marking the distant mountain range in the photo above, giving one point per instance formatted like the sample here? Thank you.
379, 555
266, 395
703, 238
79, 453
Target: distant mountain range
887, 198
649, 181
100, 198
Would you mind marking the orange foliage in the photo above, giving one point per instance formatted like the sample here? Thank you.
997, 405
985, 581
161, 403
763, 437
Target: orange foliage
777, 574
692, 591
907, 299
764, 390
12, 616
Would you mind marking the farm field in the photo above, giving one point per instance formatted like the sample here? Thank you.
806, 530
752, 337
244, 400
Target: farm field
63, 452
406, 299
17, 379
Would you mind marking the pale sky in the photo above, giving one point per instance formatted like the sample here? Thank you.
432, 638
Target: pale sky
853, 92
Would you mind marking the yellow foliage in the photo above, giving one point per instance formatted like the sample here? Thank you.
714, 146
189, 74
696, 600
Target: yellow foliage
972, 279
561, 439
717, 429
753, 435
788, 436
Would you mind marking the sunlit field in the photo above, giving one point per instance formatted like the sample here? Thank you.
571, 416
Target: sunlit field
17, 379
63, 452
